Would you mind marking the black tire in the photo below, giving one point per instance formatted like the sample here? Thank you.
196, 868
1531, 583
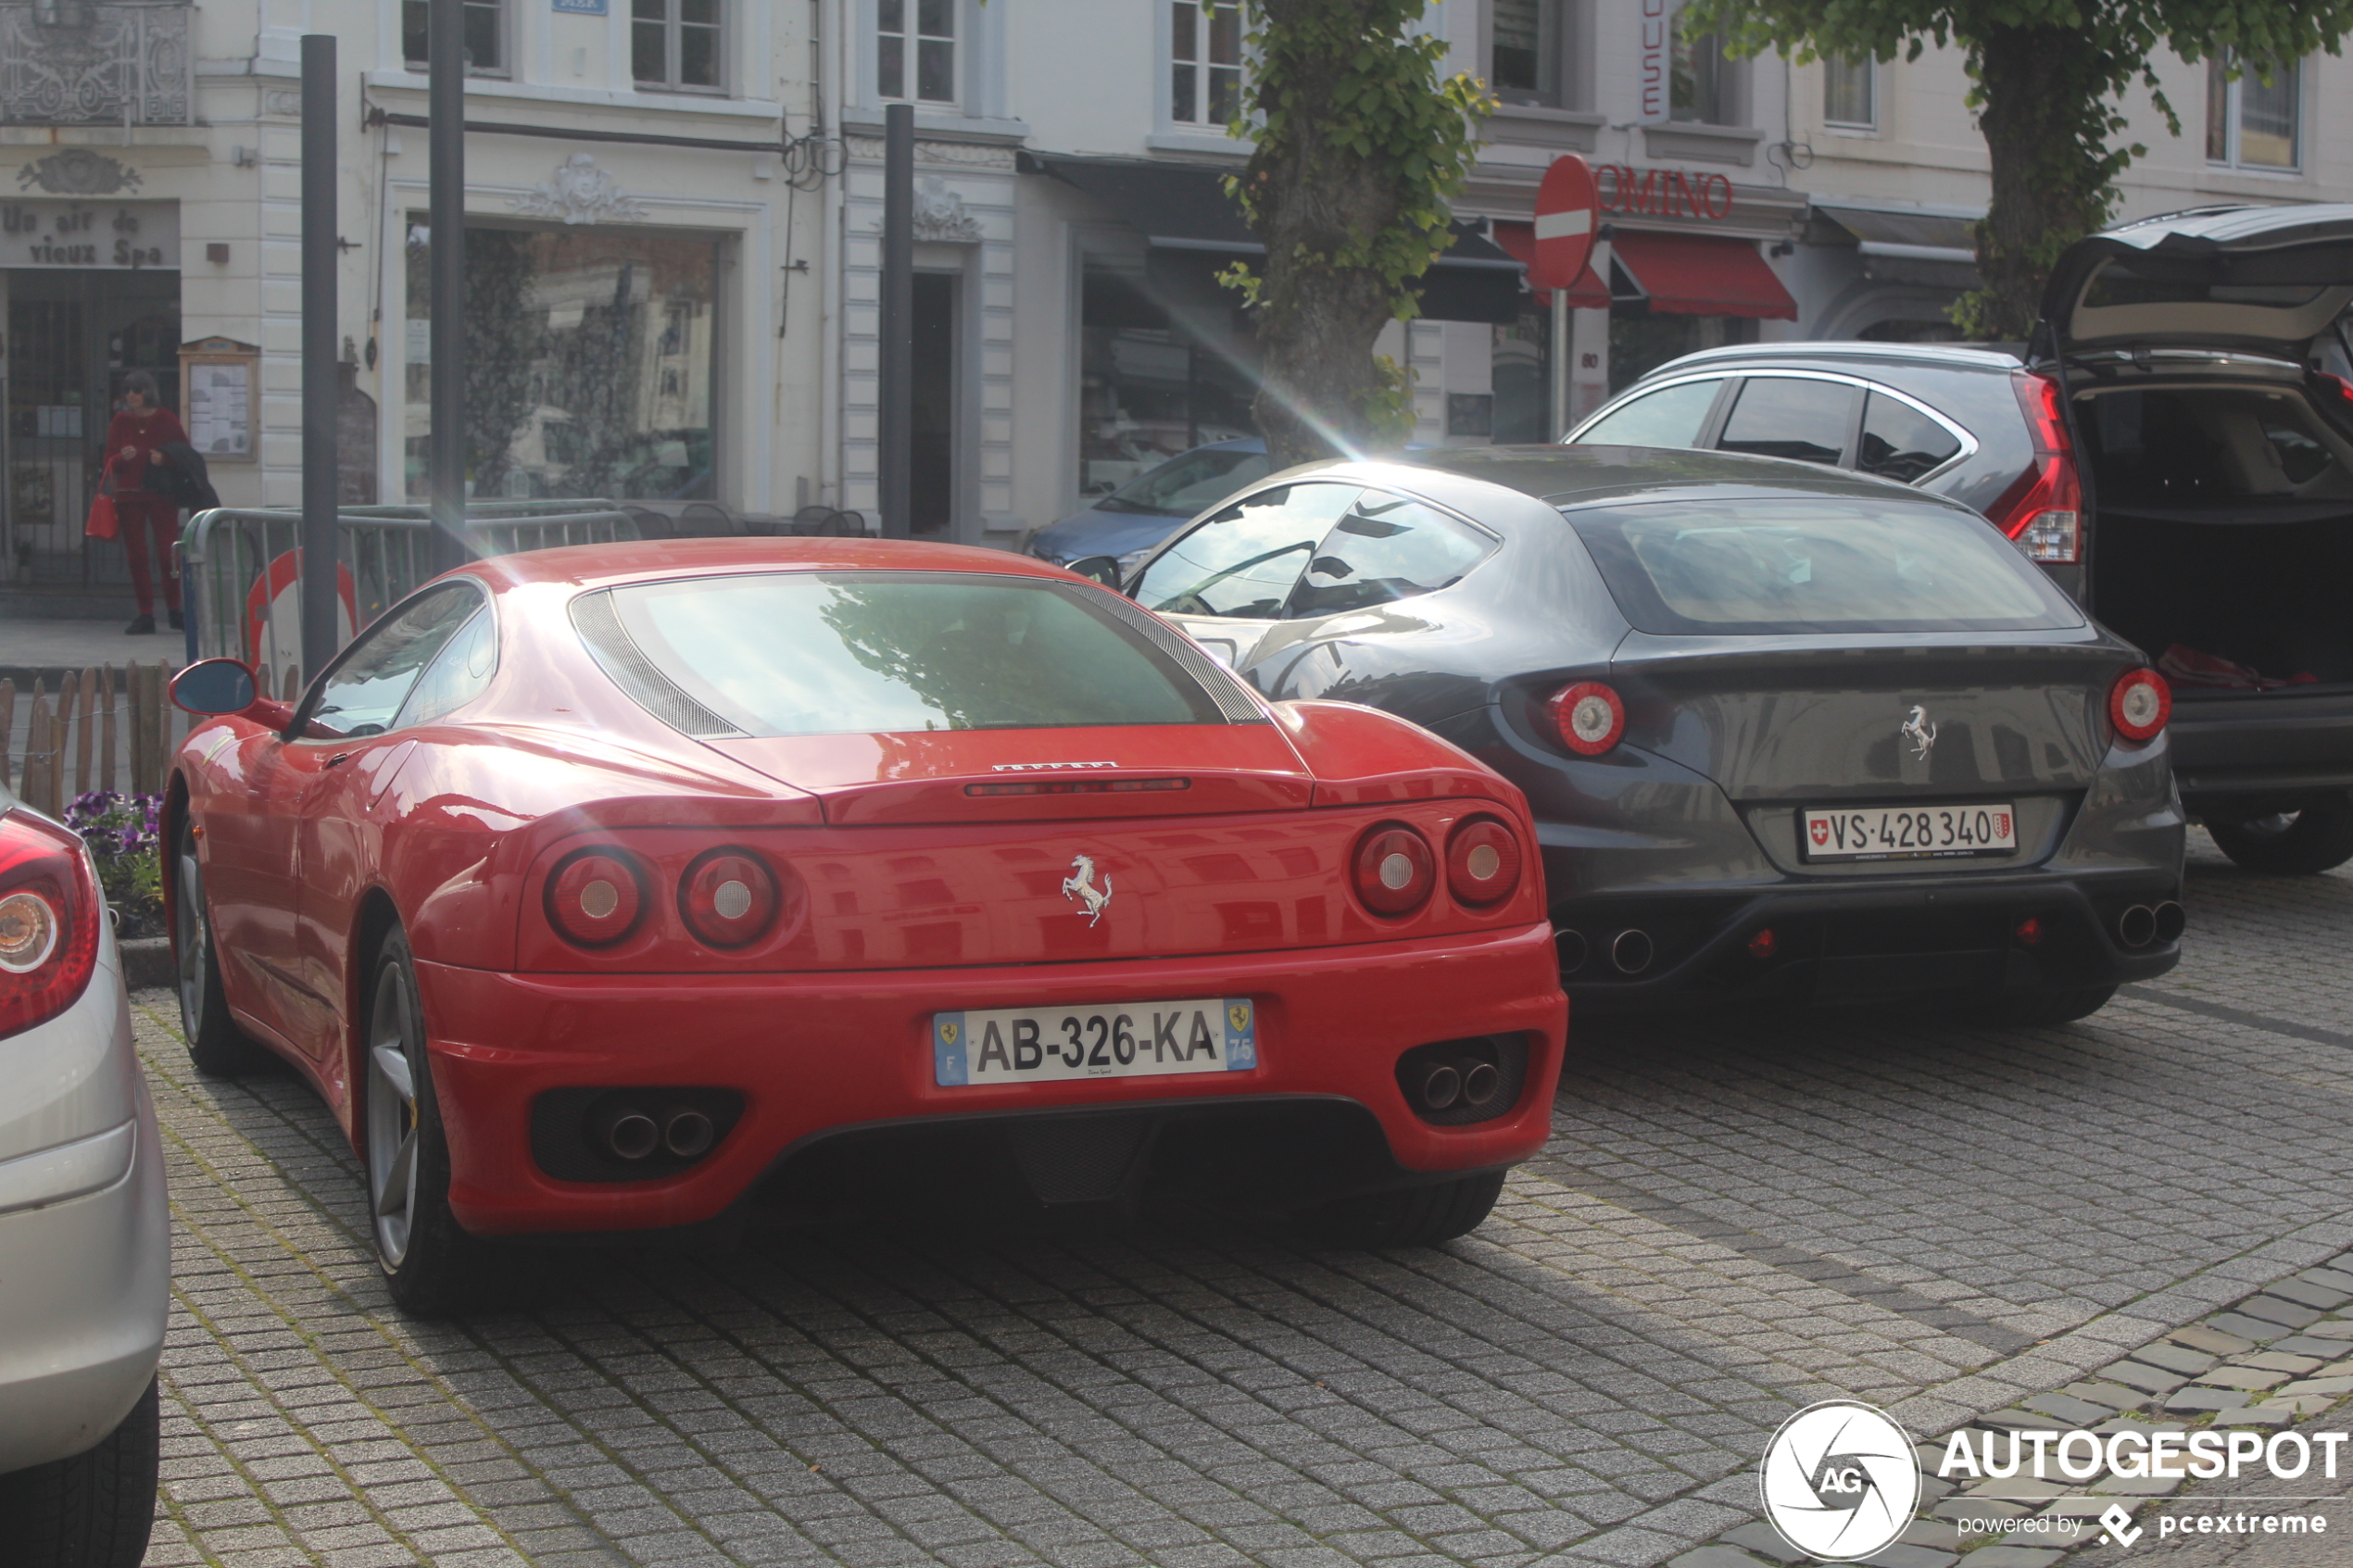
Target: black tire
432, 1266
93, 1510
1417, 1216
216, 1045
2044, 1005
2317, 838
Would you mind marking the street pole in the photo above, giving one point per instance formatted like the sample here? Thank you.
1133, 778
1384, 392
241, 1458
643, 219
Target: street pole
446, 221
895, 457
1564, 344
319, 372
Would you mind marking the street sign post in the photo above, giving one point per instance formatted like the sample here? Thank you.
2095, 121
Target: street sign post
1566, 220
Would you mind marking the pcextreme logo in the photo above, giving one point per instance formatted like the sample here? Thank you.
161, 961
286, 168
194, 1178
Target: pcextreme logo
1840, 1481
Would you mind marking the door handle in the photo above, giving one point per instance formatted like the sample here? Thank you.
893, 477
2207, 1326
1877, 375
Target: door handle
338, 760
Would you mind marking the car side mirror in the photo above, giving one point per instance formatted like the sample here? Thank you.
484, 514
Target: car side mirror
1099, 568
211, 687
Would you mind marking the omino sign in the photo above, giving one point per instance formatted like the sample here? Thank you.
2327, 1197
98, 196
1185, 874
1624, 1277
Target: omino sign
1663, 193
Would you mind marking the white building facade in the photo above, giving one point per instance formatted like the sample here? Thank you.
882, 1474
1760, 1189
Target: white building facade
645, 250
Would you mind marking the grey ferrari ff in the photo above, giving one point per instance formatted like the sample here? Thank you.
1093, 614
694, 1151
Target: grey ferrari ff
1788, 732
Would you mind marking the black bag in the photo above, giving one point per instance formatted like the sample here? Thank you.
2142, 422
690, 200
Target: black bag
183, 477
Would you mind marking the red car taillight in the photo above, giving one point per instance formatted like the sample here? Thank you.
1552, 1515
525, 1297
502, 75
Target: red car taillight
1483, 862
2043, 512
49, 915
595, 898
1395, 872
1589, 716
2139, 704
728, 897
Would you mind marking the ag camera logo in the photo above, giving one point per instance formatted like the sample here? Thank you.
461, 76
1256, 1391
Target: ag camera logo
1840, 1481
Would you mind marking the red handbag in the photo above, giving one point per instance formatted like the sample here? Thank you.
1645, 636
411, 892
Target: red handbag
101, 523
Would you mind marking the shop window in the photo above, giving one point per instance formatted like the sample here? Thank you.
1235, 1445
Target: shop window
2251, 123
1701, 79
1204, 61
915, 50
483, 23
589, 368
1640, 341
1785, 417
1521, 408
674, 44
1523, 51
1166, 364
1850, 93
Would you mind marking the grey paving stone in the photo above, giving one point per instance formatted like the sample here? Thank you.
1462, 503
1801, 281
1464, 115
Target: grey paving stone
2068, 1409
2239, 1325
2004, 1556
2174, 1358
2193, 1400
2306, 1292
2273, 1309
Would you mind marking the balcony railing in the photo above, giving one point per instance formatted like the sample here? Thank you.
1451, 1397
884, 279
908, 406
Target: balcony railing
81, 62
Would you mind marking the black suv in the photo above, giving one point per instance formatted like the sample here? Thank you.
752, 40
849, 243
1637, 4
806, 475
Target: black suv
2177, 452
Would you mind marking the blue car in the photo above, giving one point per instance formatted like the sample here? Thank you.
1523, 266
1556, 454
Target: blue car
1130, 522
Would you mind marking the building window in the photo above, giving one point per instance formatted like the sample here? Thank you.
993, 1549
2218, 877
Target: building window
1850, 93
915, 53
674, 44
1205, 61
2251, 123
484, 26
1523, 51
1700, 85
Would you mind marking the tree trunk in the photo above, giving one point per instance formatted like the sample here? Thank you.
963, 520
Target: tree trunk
2043, 88
1316, 320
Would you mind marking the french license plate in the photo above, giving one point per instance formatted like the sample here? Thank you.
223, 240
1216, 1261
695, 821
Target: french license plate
1094, 1040
1907, 833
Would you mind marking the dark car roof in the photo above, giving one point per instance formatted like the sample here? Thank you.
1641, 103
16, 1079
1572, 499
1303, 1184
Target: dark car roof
2003, 357
1575, 475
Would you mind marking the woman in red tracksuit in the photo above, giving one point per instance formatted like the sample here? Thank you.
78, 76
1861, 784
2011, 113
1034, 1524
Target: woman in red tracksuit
134, 443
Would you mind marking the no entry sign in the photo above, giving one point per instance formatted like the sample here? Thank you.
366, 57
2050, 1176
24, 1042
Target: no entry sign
1566, 204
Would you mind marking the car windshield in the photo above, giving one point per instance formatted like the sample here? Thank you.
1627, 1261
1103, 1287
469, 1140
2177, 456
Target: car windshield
1188, 483
827, 653
1696, 569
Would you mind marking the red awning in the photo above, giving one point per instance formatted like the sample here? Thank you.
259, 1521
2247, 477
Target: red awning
1518, 241
1700, 275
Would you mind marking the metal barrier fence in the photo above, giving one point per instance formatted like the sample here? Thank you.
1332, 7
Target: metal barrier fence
243, 592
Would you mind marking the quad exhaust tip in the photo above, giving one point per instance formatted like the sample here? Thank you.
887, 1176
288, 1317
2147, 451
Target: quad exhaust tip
2172, 920
633, 1136
1570, 948
1630, 951
2136, 927
685, 1133
1465, 1081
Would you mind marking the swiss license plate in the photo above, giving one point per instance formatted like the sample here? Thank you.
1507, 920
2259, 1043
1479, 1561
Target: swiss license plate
1094, 1040
1907, 833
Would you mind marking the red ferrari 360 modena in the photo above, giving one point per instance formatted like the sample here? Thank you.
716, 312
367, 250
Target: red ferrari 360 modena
619, 888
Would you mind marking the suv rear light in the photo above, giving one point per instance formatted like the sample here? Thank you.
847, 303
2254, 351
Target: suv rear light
1483, 862
1395, 872
728, 897
2042, 512
595, 898
1589, 716
2139, 704
49, 914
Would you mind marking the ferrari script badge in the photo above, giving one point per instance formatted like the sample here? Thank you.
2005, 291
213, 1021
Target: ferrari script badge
1919, 732
1080, 885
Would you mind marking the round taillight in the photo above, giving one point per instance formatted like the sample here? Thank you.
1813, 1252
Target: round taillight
729, 897
2139, 704
1589, 716
28, 933
1395, 871
1483, 862
595, 898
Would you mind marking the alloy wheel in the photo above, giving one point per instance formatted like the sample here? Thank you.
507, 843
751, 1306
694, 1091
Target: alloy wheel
194, 944
392, 1118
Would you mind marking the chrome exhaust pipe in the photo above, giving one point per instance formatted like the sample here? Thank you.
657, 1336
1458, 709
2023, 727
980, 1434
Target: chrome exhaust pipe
2172, 920
633, 1136
1569, 948
2136, 927
1630, 951
1441, 1087
688, 1134
1480, 1082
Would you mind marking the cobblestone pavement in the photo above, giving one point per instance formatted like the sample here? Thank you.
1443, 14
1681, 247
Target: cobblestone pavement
1735, 1216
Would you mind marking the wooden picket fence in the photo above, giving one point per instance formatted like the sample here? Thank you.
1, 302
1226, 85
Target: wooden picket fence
101, 729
